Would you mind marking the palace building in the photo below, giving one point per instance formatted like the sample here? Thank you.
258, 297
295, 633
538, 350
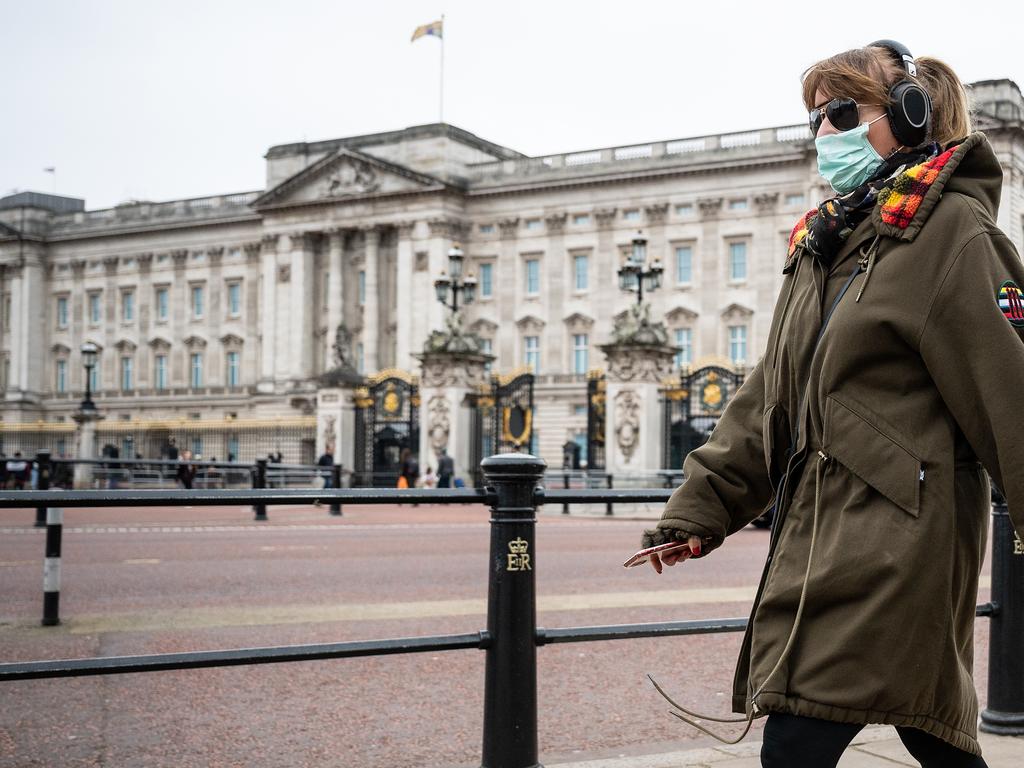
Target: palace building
228, 306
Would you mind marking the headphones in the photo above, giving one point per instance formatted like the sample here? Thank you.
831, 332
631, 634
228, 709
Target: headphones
910, 107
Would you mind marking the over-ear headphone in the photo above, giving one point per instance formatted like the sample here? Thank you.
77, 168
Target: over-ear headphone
910, 107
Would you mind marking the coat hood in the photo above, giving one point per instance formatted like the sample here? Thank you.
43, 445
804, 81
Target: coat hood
969, 168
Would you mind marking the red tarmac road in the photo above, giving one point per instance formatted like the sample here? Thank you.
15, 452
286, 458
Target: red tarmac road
161, 580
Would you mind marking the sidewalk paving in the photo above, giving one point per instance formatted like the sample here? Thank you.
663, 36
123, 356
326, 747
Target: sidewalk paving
876, 747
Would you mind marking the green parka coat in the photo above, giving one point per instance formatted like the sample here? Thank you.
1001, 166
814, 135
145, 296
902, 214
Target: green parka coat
888, 375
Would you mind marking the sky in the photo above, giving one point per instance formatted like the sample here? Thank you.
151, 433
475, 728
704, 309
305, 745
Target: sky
133, 99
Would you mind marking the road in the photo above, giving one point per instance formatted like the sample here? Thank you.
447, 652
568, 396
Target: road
161, 580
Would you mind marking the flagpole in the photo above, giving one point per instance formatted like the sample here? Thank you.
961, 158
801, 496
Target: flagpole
443, 35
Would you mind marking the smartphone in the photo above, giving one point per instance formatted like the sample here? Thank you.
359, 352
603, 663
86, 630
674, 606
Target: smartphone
644, 555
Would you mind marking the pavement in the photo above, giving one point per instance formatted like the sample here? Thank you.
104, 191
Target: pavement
873, 748
164, 580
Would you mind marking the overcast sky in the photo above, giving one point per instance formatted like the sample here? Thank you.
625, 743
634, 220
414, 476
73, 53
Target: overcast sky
132, 99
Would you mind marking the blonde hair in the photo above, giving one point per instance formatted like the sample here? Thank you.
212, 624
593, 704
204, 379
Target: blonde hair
866, 74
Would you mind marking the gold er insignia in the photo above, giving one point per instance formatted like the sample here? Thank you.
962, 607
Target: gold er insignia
518, 559
1018, 545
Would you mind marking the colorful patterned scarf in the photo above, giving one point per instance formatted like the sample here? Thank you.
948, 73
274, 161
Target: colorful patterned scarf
900, 184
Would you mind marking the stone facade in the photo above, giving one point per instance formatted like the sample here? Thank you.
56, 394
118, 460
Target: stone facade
230, 304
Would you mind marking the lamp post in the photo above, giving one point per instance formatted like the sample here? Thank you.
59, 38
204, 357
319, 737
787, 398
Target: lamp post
632, 274
449, 286
89, 353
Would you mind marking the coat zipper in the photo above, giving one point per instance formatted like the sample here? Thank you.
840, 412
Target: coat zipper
780, 506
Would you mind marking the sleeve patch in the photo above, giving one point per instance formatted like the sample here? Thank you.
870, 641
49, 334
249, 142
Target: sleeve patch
1011, 302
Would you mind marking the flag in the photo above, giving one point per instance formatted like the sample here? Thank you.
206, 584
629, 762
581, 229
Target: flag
49, 170
435, 28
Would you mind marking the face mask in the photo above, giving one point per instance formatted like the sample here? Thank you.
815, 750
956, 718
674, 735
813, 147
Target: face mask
846, 160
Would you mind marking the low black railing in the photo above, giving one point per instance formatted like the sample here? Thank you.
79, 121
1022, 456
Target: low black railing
512, 490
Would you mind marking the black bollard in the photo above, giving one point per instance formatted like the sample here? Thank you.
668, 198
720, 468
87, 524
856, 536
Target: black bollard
259, 480
565, 484
51, 567
1005, 712
608, 506
42, 483
336, 484
510, 677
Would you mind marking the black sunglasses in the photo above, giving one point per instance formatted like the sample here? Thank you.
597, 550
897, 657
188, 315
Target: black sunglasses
844, 114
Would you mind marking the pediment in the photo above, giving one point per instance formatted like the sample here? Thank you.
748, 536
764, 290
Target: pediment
160, 343
195, 342
578, 320
231, 340
484, 326
125, 345
737, 311
530, 323
346, 174
680, 315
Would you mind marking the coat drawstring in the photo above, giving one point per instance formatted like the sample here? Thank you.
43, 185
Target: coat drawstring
868, 261
687, 716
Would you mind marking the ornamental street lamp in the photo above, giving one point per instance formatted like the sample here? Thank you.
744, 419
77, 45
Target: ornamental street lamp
633, 276
89, 353
449, 288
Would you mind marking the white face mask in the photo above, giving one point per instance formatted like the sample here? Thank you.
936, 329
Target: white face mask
846, 159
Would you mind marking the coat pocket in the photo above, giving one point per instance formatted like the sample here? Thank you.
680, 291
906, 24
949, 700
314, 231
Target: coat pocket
873, 455
777, 443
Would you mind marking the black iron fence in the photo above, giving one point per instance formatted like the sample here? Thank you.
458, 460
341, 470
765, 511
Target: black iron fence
513, 492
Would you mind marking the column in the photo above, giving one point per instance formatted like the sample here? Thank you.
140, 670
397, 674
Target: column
335, 298
300, 313
179, 305
371, 307
109, 361
509, 278
252, 353
445, 419
268, 312
712, 279
605, 282
404, 300
556, 293
143, 303
215, 373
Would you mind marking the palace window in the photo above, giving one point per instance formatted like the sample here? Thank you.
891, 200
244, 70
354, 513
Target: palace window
360, 358
795, 199
486, 281
740, 204
162, 304
95, 310
196, 378
737, 261
532, 277
362, 287
94, 377
127, 374
580, 353
533, 223
580, 265
197, 301
61, 370
684, 340
62, 311
684, 209
486, 229
581, 219
684, 265
160, 372
531, 356
235, 299
127, 306
633, 214
232, 369
738, 344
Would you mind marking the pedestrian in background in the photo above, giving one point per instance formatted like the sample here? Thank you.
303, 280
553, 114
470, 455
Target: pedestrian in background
892, 376
445, 470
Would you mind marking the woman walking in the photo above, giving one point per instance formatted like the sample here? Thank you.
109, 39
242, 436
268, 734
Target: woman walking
891, 381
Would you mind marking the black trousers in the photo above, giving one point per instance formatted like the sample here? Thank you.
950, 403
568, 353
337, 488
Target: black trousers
806, 742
